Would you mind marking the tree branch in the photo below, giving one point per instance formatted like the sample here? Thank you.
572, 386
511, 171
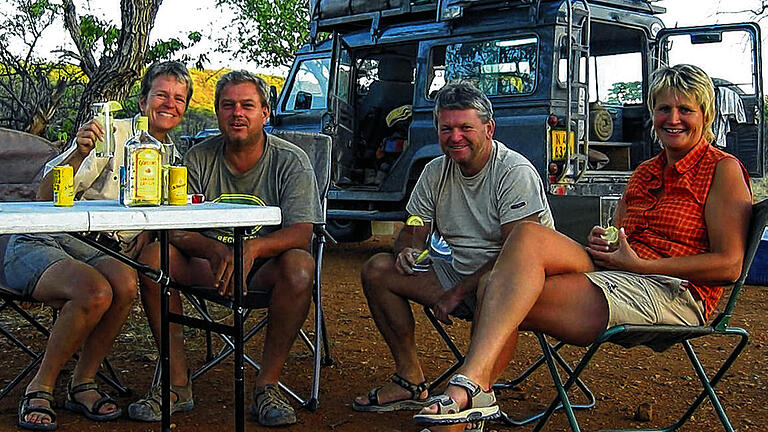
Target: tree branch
71, 22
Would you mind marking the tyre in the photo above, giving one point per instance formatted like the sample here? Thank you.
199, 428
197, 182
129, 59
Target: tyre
346, 230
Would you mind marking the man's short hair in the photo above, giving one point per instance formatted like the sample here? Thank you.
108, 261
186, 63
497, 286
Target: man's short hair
241, 77
171, 68
462, 95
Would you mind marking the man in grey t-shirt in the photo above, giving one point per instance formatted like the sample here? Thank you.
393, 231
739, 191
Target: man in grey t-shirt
473, 196
243, 165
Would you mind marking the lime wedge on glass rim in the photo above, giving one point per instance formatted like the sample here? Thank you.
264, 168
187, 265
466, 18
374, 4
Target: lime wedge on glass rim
414, 220
114, 106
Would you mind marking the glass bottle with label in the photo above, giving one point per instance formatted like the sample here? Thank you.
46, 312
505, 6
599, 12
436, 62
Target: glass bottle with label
143, 168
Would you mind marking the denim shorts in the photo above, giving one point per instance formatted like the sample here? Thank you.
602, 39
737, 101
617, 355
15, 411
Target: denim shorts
448, 278
28, 256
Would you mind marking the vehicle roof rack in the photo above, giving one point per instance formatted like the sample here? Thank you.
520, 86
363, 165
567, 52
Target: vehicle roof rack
351, 15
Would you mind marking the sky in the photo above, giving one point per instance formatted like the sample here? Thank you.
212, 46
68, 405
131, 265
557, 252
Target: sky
177, 18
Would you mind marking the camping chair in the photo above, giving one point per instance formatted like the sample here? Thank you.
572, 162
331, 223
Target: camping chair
658, 337
661, 337
318, 148
12, 303
587, 396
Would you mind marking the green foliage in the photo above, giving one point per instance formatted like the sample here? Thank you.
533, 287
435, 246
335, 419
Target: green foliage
170, 49
268, 31
626, 92
94, 30
39, 8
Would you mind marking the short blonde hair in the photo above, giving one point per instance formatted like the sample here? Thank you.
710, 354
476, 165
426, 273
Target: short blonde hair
688, 80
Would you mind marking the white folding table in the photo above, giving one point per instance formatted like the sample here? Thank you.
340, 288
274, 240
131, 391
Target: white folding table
95, 216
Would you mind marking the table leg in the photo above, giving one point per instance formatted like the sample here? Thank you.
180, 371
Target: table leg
165, 346
238, 323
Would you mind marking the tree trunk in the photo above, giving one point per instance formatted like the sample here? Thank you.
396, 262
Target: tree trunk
113, 77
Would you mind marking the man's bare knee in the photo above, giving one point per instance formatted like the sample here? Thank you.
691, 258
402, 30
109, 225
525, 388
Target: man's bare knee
528, 233
124, 291
377, 268
297, 272
150, 254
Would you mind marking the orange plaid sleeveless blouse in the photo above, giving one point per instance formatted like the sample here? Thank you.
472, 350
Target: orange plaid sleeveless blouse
665, 210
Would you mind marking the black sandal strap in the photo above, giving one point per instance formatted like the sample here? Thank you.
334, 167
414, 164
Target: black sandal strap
373, 396
84, 387
415, 389
39, 394
104, 398
25, 409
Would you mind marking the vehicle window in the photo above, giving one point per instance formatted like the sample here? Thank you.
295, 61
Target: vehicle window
310, 85
497, 67
618, 78
344, 75
367, 74
733, 67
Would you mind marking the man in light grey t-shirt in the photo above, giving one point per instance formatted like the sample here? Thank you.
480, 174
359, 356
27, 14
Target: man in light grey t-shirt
473, 196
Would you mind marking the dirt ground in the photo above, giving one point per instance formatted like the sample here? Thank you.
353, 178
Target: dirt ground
621, 379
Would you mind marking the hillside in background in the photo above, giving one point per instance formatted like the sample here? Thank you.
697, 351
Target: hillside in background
201, 114
205, 86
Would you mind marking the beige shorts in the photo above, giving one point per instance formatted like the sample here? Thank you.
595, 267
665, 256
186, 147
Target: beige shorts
647, 299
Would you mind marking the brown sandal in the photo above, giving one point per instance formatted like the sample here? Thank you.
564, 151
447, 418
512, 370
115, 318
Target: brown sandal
412, 403
91, 413
25, 409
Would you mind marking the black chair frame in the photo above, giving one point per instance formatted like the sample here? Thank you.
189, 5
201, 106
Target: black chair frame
10, 301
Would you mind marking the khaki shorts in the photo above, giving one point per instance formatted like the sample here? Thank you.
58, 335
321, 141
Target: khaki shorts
647, 299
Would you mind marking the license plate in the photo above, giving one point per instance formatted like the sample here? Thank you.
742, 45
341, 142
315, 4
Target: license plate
558, 145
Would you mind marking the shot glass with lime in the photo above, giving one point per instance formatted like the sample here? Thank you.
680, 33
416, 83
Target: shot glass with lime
421, 260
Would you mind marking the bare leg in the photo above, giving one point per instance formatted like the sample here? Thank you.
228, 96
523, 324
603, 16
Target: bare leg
536, 284
83, 298
388, 294
289, 278
124, 283
150, 299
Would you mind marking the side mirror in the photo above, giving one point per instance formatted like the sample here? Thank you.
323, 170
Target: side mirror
303, 100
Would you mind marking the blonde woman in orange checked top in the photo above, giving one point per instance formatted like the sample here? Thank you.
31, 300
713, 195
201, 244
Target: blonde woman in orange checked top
684, 214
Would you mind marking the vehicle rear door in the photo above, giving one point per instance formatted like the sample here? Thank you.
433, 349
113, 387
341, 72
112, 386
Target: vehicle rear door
730, 54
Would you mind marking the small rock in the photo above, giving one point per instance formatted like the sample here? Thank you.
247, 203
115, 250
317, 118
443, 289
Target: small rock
644, 412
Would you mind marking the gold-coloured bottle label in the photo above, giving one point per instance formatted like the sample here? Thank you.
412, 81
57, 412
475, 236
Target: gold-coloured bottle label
63, 187
147, 176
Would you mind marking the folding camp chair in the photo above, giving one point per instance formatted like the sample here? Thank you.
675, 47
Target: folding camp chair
587, 398
658, 337
11, 302
318, 148
662, 337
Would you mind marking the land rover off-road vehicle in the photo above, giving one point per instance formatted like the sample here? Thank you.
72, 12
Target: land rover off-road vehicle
552, 69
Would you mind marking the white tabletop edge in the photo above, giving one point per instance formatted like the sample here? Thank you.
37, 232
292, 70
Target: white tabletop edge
41, 217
